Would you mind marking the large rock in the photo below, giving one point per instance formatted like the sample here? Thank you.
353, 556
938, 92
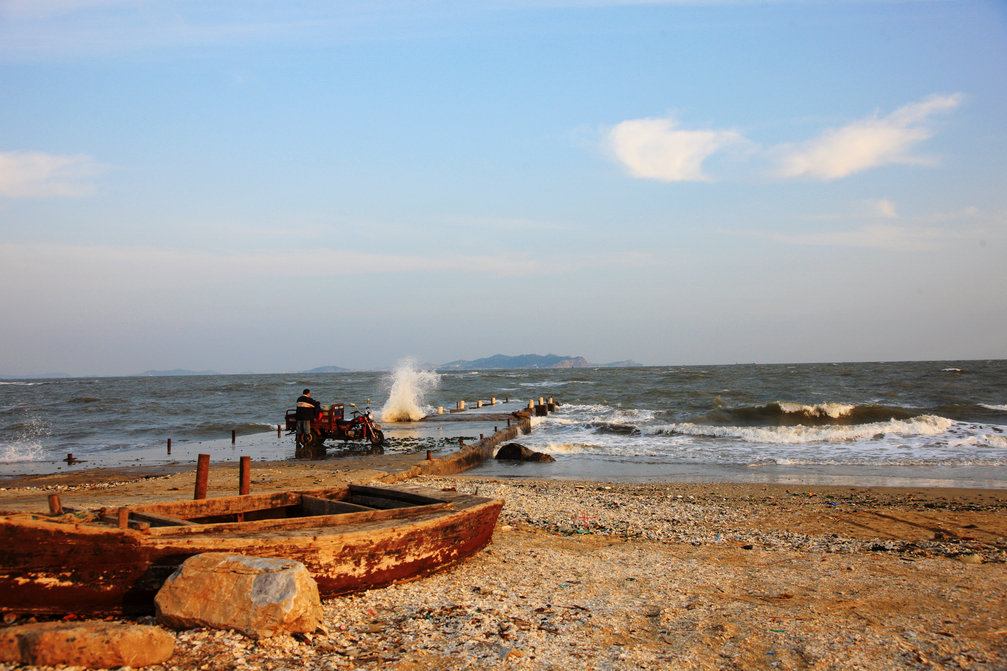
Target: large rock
518, 452
94, 644
256, 596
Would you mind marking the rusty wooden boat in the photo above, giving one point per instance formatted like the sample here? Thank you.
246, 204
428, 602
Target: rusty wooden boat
350, 538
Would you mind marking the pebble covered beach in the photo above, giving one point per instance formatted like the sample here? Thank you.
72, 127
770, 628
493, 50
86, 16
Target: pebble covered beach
661, 575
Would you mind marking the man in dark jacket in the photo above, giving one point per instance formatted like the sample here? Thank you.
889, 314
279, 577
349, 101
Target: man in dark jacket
307, 410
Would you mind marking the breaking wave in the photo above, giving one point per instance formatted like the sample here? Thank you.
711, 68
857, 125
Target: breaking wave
785, 413
926, 425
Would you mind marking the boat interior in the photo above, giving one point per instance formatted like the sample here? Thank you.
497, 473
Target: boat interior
355, 502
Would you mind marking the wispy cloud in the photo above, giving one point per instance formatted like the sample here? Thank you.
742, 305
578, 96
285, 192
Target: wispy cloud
883, 207
32, 174
881, 227
109, 266
865, 144
875, 236
659, 149
43, 9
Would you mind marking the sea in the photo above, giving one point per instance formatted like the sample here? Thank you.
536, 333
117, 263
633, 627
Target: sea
926, 423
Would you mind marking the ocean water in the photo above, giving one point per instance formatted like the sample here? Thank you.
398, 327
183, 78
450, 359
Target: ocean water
938, 423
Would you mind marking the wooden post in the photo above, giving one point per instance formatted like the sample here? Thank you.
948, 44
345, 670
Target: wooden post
278, 428
169, 446
245, 475
234, 436
55, 505
202, 474
428, 455
123, 518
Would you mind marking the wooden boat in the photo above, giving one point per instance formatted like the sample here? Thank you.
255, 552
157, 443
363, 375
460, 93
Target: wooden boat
349, 538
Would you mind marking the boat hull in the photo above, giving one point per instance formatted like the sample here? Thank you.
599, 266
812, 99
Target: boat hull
49, 567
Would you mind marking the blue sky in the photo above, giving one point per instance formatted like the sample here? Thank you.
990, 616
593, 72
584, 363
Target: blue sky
273, 186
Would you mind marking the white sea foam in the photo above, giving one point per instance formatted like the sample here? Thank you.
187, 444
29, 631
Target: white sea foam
998, 441
564, 448
554, 383
13, 453
833, 410
409, 386
993, 406
925, 425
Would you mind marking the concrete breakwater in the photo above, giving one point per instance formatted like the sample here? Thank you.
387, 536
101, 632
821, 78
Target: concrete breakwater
468, 456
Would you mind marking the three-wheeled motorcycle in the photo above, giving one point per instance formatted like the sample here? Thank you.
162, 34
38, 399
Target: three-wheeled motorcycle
330, 424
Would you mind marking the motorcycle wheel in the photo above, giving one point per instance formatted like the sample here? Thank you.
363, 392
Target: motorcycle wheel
377, 437
310, 446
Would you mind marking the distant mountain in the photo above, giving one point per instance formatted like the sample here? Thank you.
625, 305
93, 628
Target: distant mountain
176, 371
502, 361
327, 369
628, 363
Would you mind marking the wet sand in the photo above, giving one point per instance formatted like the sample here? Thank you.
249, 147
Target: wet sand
638, 575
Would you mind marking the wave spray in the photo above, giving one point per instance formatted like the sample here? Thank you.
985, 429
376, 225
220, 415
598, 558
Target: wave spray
408, 389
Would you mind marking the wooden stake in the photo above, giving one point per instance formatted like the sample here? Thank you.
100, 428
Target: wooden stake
202, 475
55, 506
245, 475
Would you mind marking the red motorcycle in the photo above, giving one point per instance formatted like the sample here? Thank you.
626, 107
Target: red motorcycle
330, 424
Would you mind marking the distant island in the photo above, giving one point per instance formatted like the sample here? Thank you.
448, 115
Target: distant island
174, 372
327, 369
504, 362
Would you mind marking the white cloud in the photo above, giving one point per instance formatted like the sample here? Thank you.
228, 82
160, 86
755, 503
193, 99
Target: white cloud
658, 149
884, 208
40, 175
865, 144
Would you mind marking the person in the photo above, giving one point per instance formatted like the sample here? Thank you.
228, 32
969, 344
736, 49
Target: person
307, 410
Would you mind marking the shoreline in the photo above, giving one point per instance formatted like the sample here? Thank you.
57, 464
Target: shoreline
788, 477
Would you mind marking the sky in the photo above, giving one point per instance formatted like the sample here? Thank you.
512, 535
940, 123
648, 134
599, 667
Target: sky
265, 186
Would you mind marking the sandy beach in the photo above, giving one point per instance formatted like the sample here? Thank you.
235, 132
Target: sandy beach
588, 575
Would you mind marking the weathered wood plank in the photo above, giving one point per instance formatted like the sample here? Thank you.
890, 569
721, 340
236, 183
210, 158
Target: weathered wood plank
159, 520
230, 505
392, 494
293, 523
313, 505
